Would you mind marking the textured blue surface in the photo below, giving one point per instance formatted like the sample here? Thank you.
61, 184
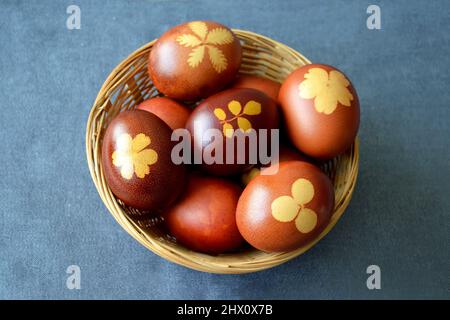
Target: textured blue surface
52, 217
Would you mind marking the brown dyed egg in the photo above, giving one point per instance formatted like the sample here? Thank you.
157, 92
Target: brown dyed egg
204, 218
194, 60
269, 87
171, 112
287, 210
321, 110
285, 154
136, 158
229, 112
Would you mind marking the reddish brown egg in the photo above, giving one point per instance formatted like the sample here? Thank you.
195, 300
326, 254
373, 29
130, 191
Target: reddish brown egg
194, 60
136, 158
229, 112
285, 154
173, 113
287, 210
321, 110
204, 218
269, 87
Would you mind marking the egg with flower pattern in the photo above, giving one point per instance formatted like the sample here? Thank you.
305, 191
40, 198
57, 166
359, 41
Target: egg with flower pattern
230, 114
285, 210
194, 60
136, 157
321, 110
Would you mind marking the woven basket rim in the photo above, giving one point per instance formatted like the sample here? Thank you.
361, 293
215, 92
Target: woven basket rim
195, 260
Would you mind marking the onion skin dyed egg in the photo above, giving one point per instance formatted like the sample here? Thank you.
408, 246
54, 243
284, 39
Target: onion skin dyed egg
194, 60
136, 157
321, 110
173, 113
269, 87
285, 154
229, 111
287, 210
204, 218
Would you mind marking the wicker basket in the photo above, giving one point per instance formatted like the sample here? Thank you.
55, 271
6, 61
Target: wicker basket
129, 84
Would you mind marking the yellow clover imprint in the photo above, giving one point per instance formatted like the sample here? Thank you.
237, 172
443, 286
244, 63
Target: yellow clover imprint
287, 208
251, 108
132, 157
203, 39
327, 90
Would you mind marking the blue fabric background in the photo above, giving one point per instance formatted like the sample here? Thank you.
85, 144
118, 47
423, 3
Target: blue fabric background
52, 216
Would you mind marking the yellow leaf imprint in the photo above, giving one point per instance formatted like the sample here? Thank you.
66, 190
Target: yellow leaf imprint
199, 28
202, 39
234, 107
228, 130
284, 209
327, 90
244, 124
306, 220
287, 208
132, 156
220, 114
196, 56
219, 36
251, 108
302, 191
189, 40
217, 58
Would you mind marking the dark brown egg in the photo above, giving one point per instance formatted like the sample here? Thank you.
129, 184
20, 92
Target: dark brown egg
285, 154
269, 87
229, 112
194, 60
171, 112
204, 218
320, 109
136, 158
287, 210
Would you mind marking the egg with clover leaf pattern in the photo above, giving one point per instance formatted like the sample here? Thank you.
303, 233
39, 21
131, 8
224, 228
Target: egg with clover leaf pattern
321, 110
286, 210
194, 60
136, 157
232, 113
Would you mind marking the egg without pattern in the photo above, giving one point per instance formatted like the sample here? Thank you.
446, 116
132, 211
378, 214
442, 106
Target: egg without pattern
228, 111
286, 153
287, 210
136, 157
269, 87
173, 113
204, 217
194, 60
320, 109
